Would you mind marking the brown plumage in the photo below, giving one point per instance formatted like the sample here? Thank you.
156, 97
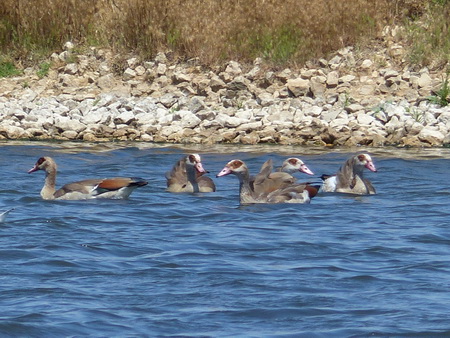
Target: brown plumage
187, 175
259, 191
349, 179
267, 181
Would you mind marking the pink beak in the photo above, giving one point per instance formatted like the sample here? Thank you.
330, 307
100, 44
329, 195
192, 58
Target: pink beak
305, 169
369, 165
225, 171
32, 170
199, 167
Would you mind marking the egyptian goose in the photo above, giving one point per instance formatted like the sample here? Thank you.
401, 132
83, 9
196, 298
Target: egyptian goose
349, 179
249, 192
113, 188
268, 181
187, 176
4, 214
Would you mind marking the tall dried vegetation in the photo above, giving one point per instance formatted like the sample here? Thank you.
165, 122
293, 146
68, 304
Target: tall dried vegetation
289, 31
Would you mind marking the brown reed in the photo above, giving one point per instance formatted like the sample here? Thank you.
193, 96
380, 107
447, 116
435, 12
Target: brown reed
289, 31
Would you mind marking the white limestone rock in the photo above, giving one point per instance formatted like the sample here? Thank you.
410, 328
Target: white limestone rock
132, 62
100, 115
265, 99
164, 120
365, 119
233, 69
65, 123
140, 70
169, 130
413, 127
298, 87
329, 115
381, 116
353, 108
168, 100
70, 134
313, 111
251, 126
339, 123
424, 80
69, 46
125, 117
394, 110
431, 135
367, 64
106, 82
187, 119
71, 69
393, 125
180, 77
347, 78
29, 95
13, 132
332, 79
390, 73
129, 74
318, 86
246, 114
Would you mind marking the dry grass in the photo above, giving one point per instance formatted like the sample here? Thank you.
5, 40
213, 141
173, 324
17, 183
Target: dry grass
31, 27
215, 30
289, 31
429, 36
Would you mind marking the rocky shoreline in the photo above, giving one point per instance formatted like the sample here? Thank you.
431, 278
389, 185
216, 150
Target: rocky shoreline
344, 101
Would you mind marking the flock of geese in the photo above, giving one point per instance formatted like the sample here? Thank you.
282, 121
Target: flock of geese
280, 186
188, 176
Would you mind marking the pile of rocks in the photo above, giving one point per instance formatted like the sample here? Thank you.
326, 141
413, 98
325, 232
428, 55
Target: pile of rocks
340, 101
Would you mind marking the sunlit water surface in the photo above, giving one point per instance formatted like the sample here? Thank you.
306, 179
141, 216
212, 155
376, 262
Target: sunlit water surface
162, 264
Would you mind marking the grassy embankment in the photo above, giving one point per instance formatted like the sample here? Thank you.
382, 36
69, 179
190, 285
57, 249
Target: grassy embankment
289, 32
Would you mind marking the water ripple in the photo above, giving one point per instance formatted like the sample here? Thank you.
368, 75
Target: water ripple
162, 264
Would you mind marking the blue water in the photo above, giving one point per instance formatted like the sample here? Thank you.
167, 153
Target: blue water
162, 264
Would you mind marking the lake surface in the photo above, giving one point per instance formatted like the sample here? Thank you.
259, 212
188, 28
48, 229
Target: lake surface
162, 264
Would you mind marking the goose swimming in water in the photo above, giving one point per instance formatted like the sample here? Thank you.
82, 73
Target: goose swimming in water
349, 179
252, 191
187, 175
113, 188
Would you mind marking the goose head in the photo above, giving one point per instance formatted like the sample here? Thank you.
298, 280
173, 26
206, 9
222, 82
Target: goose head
194, 160
364, 160
44, 163
294, 164
236, 167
